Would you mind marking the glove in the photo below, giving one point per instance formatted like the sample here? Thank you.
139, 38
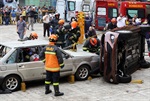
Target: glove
62, 66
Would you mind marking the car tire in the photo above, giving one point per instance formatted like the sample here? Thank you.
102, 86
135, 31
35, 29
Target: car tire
82, 72
12, 83
125, 79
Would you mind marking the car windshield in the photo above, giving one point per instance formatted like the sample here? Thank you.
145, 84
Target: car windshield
4, 50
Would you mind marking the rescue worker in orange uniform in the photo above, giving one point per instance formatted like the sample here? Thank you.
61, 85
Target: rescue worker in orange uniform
92, 45
61, 34
53, 63
73, 35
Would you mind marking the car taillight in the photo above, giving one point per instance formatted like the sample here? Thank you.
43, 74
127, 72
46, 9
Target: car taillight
149, 54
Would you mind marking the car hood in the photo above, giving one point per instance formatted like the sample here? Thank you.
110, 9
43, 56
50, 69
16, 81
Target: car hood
80, 53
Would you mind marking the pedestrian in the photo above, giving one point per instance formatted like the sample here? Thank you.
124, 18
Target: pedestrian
112, 24
121, 21
91, 33
61, 34
88, 22
54, 23
13, 16
134, 20
147, 36
21, 27
46, 24
53, 62
31, 15
92, 45
1, 16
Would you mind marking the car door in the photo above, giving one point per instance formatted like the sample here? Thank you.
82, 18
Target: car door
68, 68
30, 70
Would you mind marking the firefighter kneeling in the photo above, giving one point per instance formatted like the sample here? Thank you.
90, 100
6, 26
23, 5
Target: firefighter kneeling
53, 62
92, 45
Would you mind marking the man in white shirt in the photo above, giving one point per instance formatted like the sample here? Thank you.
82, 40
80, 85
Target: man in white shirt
121, 21
46, 24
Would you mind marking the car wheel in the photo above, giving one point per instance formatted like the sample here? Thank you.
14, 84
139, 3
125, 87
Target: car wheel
12, 83
82, 73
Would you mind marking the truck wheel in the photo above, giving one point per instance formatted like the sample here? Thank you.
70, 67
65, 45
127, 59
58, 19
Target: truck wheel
12, 83
82, 73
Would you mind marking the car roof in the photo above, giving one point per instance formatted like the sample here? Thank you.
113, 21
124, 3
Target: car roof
80, 53
28, 43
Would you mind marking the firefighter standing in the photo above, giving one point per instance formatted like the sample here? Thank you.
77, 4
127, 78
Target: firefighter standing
53, 62
73, 36
61, 34
92, 45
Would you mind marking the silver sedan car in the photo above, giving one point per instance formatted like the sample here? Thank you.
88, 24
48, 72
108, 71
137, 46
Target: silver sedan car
16, 65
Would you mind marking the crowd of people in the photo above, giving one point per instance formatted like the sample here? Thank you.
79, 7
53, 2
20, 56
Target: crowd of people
122, 21
9, 15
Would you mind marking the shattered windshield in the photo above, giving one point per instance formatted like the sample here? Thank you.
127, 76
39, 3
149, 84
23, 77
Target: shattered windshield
4, 50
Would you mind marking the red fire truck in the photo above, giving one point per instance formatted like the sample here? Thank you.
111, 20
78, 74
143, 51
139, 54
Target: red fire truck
129, 9
103, 11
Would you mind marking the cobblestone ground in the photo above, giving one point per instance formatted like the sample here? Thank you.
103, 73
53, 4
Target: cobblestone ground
90, 90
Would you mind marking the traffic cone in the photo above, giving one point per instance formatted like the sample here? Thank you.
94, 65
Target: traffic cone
90, 78
23, 86
71, 79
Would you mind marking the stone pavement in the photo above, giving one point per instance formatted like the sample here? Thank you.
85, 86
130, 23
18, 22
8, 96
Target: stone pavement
90, 90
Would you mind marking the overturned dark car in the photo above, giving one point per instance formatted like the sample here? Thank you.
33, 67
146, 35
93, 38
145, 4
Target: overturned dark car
122, 53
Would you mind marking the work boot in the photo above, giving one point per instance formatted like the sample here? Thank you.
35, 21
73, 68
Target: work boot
57, 93
47, 90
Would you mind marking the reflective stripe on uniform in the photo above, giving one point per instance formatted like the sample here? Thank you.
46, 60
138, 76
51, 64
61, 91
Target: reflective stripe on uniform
53, 69
84, 48
75, 36
62, 64
47, 82
43, 60
55, 84
52, 53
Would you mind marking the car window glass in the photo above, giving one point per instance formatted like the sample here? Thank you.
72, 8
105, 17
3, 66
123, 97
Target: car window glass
4, 50
12, 58
29, 54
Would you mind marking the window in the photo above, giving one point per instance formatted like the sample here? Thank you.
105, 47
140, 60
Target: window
71, 6
139, 12
28, 54
101, 11
9, 1
112, 13
12, 58
4, 50
85, 8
